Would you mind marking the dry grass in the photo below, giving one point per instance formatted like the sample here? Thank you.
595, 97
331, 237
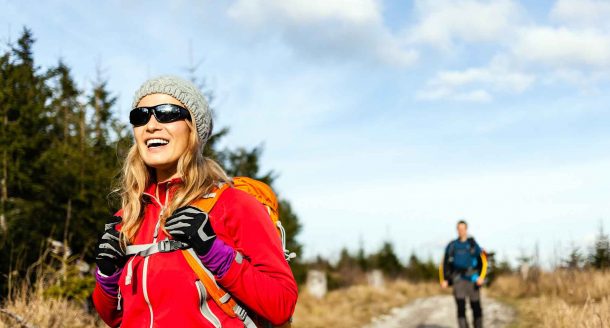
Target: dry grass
548, 311
350, 307
558, 299
39, 311
355, 306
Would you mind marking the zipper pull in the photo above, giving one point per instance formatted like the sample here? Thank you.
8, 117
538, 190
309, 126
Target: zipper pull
129, 272
158, 225
118, 305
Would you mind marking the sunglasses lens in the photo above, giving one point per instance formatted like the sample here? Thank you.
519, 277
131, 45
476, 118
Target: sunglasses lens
139, 116
167, 113
164, 113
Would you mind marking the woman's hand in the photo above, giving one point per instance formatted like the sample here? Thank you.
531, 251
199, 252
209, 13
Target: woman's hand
192, 226
109, 256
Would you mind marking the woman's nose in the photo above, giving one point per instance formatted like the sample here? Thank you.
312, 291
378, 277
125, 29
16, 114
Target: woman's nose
152, 124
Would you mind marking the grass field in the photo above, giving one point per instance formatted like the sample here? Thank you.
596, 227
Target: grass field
36, 310
347, 307
558, 299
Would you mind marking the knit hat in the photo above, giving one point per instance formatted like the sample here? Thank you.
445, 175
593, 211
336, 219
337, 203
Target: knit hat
188, 94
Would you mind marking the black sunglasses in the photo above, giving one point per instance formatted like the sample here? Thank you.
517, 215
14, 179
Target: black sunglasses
164, 113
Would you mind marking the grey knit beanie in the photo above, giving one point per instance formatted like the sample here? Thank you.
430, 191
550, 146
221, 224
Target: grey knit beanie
188, 94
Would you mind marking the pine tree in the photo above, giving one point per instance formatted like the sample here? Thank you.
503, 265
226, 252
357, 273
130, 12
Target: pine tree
101, 102
55, 170
361, 258
600, 255
575, 259
387, 261
24, 96
418, 270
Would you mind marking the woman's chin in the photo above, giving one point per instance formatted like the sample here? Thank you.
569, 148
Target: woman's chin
160, 164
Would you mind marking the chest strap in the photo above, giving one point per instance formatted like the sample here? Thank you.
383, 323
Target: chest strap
163, 246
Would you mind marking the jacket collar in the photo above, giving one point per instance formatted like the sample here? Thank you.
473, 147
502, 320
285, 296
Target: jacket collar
158, 190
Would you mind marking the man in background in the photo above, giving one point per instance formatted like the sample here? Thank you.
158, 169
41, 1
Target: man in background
464, 267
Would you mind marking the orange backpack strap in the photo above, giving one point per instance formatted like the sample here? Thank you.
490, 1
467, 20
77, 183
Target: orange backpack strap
263, 193
219, 295
207, 201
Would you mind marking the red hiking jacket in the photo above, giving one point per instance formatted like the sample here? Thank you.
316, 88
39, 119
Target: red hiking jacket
162, 292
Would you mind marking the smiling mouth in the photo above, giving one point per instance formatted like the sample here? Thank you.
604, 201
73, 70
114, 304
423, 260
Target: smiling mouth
157, 142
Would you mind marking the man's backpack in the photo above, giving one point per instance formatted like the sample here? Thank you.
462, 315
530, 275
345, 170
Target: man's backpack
263, 193
471, 249
480, 267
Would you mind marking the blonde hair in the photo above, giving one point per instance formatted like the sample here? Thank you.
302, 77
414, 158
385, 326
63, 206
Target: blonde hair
199, 176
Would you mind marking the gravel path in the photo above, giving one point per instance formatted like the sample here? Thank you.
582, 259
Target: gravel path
440, 312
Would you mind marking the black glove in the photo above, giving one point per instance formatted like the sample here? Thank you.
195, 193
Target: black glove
192, 226
109, 256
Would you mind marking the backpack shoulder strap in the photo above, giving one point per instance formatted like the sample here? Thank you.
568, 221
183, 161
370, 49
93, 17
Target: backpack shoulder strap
222, 298
207, 201
472, 245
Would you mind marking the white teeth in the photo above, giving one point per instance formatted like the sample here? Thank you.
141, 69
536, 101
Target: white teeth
156, 142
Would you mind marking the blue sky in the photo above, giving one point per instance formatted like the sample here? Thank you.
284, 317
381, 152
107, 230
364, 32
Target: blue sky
385, 120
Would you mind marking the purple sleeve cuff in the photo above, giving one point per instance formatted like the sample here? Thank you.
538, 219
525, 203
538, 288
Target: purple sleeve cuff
219, 258
109, 284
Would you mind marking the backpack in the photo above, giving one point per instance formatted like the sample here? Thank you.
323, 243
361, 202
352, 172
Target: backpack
263, 193
480, 267
471, 249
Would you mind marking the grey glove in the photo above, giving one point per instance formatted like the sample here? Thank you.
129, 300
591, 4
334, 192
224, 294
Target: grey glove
109, 256
192, 226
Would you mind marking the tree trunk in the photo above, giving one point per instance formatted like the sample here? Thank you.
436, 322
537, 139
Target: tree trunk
98, 119
82, 147
66, 254
3, 183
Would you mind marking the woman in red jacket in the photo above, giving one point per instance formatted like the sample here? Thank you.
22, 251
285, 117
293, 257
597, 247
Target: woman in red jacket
164, 172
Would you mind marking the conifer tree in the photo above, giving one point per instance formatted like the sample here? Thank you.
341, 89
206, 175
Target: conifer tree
600, 255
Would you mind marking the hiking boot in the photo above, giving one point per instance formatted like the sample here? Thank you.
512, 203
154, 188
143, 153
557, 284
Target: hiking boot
462, 323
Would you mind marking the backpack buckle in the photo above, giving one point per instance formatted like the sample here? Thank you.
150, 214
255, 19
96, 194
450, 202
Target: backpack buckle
168, 245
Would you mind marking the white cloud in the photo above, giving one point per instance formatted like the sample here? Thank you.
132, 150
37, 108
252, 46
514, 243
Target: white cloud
582, 13
573, 49
563, 47
441, 23
474, 96
476, 84
256, 12
480, 96
335, 30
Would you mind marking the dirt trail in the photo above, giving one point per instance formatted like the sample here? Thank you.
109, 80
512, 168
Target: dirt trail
440, 312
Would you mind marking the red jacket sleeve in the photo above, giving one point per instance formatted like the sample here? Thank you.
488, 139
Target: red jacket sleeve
263, 280
106, 306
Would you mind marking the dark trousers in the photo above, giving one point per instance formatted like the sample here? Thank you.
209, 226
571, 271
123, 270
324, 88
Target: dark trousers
463, 289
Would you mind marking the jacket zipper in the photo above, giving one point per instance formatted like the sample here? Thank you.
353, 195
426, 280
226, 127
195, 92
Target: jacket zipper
203, 305
156, 233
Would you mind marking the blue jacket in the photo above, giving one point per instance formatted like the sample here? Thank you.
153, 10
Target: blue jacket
461, 257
